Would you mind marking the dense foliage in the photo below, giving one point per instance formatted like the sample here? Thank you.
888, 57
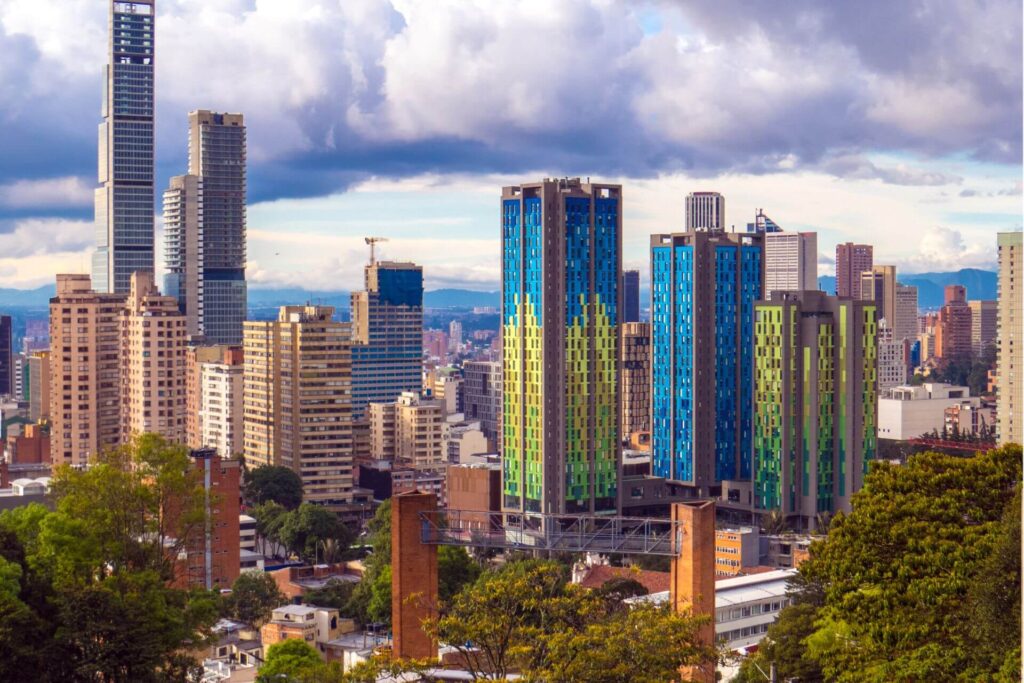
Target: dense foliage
310, 532
920, 582
252, 599
273, 483
85, 589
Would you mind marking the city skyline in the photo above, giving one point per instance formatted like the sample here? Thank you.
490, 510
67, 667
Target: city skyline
333, 159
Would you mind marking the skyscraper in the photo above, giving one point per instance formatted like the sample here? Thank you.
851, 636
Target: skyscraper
984, 324
153, 343
297, 391
1010, 359
482, 397
905, 324
879, 285
703, 289
630, 296
953, 333
85, 404
790, 261
6, 358
816, 410
204, 229
387, 328
892, 363
852, 260
454, 335
705, 211
561, 269
124, 200
636, 378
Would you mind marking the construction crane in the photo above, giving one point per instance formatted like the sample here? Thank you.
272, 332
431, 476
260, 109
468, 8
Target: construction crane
372, 241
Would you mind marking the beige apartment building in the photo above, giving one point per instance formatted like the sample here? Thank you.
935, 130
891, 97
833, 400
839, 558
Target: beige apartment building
409, 431
39, 381
984, 324
195, 357
153, 344
1010, 356
636, 378
297, 396
84, 370
220, 403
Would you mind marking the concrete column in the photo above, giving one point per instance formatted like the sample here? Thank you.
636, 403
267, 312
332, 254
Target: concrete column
413, 577
692, 586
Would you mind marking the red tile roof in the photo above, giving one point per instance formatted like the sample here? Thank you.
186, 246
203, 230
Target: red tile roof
654, 582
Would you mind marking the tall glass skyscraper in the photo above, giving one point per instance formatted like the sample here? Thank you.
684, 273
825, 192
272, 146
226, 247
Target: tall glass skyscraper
703, 288
124, 200
387, 331
204, 229
561, 269
631, 296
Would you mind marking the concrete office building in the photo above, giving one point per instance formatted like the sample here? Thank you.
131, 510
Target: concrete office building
204, 229
984, 324
481, 397
124, 200
418, 432
153, 344
1010, 358
815, 428
6, 356
220, 403
705, 211
953, 333
703, 289
907, 412
561, 270
387, 328
39, 381
852, 260
636, 379
454, 336
19, 377
790, 261
892, 366
905, 323
630, 296
297, 393
85, 371
879, 285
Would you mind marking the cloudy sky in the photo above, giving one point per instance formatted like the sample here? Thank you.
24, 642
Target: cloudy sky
893, 123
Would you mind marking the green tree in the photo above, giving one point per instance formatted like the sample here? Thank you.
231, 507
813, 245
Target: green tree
273, 483
335, 593
253, 597
94, 597
897, 572
455, 569
269, 518
290, 660
310, 530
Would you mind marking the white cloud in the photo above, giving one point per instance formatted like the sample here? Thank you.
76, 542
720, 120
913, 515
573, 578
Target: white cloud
47, 193
38, 236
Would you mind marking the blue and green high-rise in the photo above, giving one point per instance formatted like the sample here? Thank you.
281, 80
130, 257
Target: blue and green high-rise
704, 284
815, 402
561, 269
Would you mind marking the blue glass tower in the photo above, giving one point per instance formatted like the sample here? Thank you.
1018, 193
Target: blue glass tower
703, 288
124, 200
387, 328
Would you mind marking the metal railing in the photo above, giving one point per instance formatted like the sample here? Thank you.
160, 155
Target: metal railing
565, 533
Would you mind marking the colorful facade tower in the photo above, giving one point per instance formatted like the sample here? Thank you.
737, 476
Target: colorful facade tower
124, 200
815, 425
703, 288
561, 269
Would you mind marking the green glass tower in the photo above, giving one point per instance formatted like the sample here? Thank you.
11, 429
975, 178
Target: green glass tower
561, 269
815, 407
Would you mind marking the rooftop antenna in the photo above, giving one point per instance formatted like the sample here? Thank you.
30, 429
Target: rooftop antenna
372, 241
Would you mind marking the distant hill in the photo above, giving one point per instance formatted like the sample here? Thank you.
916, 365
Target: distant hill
980, 284
27, 298
291, 296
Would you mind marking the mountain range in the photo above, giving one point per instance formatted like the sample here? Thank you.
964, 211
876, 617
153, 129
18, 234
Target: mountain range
980, 284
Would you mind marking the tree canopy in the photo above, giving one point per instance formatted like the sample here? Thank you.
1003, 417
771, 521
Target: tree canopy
253, 597
921, 581
281, 485
84, 588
